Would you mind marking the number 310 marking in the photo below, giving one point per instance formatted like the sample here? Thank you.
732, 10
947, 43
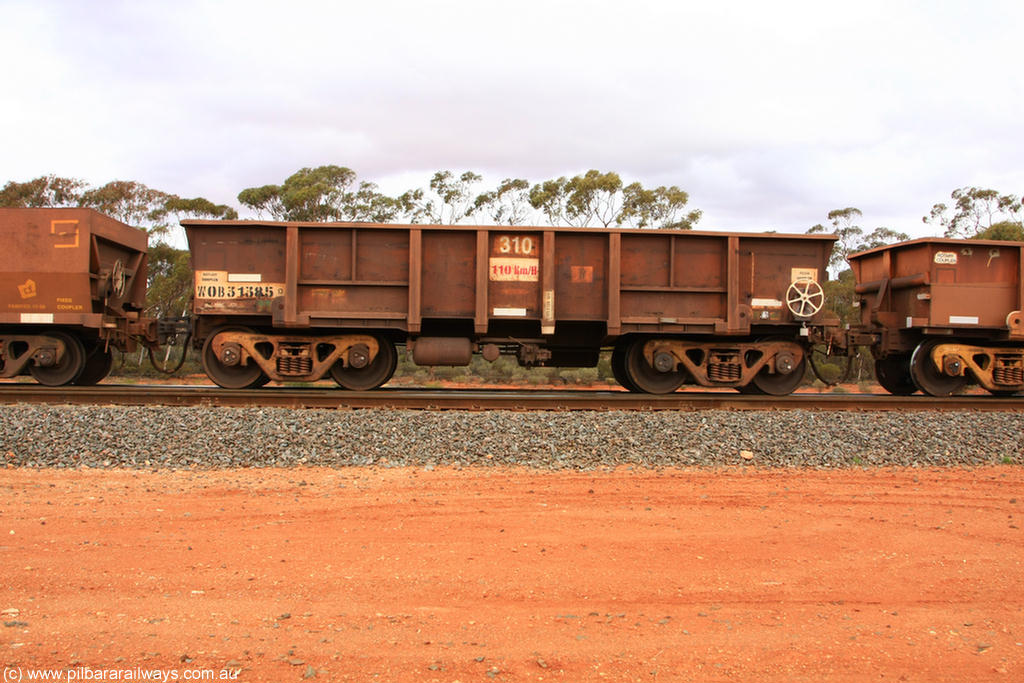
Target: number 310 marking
515, 245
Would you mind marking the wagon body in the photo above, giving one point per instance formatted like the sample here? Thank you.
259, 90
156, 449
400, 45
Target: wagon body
558, 295
67, 272
956, 304
940, 287
497, 280
56, 267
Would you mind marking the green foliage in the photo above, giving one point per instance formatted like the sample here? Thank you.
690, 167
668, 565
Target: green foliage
505, 370
198, 206
593, 197
170, 281
453, 198
840, 295
130, 202
127, 201
549, 197
508, 204
328, 193
879, 237
851, 237
974, 210
831, 370
657, 208
44, 191
601, 198
309, 194
1009, 231
265, 199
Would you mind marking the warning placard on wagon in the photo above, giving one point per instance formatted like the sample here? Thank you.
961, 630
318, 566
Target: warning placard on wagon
220, 284
505, 269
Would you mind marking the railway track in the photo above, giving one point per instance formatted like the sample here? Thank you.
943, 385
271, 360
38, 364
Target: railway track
486, 399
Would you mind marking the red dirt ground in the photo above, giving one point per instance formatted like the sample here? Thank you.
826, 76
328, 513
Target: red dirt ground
516, 575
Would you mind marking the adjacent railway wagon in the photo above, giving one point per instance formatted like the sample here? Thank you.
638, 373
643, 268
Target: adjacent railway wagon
941, 313
73, 283
298, 301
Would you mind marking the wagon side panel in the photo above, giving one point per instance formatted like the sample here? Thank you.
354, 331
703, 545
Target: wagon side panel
448, 269
239, 270
780, 277
581, 277
715, 283
69, 267
673, 280
352, 277
935, 284
974, 286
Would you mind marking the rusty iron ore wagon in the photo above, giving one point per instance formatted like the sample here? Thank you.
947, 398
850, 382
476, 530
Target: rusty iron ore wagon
299, 301
940, 313
74, 284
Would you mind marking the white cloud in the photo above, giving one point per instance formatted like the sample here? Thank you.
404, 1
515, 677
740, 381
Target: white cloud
769, 114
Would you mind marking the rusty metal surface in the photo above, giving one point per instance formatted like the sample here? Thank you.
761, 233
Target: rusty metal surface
425, 399
480, 281
941, 286
69, 267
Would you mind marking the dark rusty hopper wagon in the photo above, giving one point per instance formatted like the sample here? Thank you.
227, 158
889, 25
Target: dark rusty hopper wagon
939, 313
297, 301
73, 284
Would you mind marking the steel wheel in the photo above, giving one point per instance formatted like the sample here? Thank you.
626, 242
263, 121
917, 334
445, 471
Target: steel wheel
373, 375
97, 366
70, 366
241, 376
893, 373
619, 369
930, 379
646, 378
778, 384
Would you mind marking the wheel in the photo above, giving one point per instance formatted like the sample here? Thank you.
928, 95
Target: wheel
97, 366
373, 375
893, 373
261, 382
928, 378
779, 384
70, 367
619, 369
646, 378
241, 376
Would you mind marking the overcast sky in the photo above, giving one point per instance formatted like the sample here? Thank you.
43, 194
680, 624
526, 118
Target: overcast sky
769, 114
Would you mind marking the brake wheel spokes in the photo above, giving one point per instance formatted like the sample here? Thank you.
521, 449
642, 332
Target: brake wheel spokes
805, 298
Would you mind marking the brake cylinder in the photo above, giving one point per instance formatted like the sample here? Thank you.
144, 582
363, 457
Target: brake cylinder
442, 351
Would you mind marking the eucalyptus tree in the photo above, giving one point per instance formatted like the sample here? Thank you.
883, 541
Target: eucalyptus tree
507, 204
44, 191
974, 210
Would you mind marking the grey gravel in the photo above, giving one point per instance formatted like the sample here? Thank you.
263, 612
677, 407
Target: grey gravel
209, 437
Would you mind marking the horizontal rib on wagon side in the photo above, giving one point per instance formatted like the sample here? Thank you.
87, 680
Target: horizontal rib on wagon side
298, 301
939, 313
72, 286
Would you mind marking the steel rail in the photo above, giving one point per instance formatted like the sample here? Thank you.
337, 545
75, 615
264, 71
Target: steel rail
485, 399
